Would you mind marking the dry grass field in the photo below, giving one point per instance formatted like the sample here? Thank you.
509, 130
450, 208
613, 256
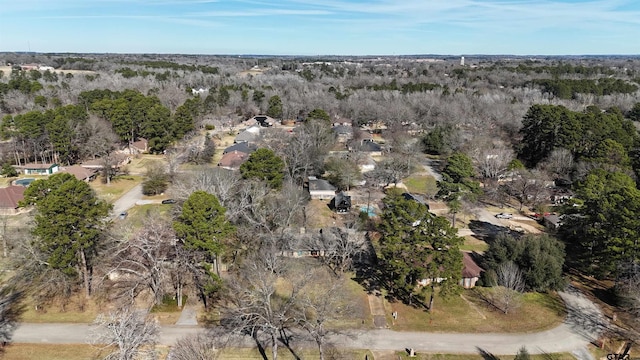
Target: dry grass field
7, 70
472, 314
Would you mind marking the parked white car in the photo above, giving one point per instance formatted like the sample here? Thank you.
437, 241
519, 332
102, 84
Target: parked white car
504, 216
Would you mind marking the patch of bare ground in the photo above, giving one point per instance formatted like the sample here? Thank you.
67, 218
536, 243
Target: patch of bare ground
7, 70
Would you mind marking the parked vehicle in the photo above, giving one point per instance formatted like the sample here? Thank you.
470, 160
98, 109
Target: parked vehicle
504, 216
168, 201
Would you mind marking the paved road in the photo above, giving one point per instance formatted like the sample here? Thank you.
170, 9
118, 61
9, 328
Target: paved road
127, 201
582, 326
428, 166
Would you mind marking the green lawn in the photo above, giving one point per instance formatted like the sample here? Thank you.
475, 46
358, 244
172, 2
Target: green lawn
473, 244
421, 184
138, 213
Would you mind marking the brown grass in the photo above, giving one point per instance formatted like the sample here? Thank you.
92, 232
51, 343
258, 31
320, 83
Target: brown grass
76, 309
118, 186
52, 352
7, 71
404, 355
224, 140
319, 215
285, 354
537, 312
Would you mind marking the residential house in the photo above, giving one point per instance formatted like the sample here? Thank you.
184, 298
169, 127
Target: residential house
366, 146
366, 163
249, 135
552, 221
344, 132
341, 203
320, 189
244, 147
264, 121
9, 198
233, 160
117, 160
470, 271
27, 67
40, 169
81, 173
139, 146
415, 197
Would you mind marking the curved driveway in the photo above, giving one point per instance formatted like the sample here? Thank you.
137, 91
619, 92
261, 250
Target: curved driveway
582, 326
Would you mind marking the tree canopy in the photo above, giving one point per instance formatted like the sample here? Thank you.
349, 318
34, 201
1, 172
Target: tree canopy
539, 257
318, 114
417, 245
202, 224
264, 164
68, 223
603, 232
275, 107
547, 127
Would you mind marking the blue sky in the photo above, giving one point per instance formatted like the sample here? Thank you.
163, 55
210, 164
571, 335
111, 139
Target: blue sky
322, 27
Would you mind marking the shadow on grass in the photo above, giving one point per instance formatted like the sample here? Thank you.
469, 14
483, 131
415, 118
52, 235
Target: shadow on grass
486, 355
485, 231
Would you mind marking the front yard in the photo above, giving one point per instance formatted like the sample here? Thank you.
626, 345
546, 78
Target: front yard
470, 313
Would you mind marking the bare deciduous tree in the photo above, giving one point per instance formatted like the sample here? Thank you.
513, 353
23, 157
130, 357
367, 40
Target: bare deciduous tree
510, 283
529, 187
318, 309
338, 247
200, 346
559, 163
142, 262
133, 333
256, 307
97, 138
492, 161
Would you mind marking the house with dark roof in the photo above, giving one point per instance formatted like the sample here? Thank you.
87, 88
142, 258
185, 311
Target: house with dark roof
40, 169
9, 198
264, 121
343, 133
341, 203
320, 189
233, 160
244, 147
366, 146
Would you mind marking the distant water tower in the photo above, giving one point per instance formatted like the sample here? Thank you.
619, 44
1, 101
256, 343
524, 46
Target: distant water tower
462, 61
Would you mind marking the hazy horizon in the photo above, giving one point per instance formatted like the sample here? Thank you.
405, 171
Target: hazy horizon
323, 28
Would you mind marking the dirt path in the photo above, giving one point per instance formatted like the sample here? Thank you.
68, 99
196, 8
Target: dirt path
376, 304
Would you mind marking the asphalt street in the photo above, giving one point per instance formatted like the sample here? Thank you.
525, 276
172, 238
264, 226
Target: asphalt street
583, 324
